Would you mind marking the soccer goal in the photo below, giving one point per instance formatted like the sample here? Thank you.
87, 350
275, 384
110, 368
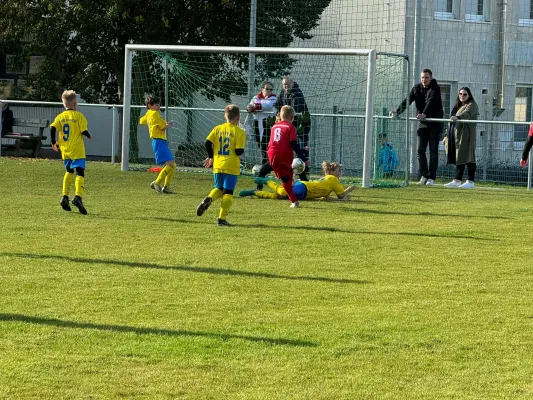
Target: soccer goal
348, 93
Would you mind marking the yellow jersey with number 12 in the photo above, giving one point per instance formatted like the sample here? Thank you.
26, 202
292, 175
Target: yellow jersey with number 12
226, 138
69, 125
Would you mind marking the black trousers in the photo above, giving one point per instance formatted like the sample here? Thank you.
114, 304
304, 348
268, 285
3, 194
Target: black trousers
461, 170
262, 143
429, 134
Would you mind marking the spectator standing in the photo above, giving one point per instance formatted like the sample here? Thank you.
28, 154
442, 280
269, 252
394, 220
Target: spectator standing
460, 140
7, 119
527, 146
262, 108
426, 96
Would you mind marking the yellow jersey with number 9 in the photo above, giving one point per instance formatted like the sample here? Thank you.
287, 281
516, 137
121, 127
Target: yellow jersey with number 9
226, 138
69, 125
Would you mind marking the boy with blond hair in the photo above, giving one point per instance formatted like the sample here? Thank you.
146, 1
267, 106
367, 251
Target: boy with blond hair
157, 128
72, 126
224, 145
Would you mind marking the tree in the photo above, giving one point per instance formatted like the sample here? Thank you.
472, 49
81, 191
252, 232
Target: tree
83, 41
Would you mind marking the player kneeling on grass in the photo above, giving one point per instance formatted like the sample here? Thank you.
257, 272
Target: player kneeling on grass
283, 141
224, 145
307, 189
72, 126
157, 127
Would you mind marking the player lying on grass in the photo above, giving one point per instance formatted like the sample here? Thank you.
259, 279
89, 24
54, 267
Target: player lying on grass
320, 189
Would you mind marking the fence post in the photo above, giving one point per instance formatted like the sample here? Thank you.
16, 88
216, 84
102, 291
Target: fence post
114, 134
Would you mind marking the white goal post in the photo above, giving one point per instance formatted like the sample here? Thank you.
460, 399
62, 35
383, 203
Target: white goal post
370, 54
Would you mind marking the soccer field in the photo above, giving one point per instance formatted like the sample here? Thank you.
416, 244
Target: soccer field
407, 293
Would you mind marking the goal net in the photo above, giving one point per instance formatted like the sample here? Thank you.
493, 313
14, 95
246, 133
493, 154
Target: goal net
348, 94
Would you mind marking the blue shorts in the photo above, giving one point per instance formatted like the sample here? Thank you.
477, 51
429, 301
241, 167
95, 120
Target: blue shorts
300, 190
225, 181
71, 164
161, 151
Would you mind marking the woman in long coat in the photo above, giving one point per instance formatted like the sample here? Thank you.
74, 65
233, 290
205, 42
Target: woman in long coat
460, 140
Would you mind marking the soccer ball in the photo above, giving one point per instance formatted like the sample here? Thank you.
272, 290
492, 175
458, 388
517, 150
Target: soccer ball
255, 170
298, 166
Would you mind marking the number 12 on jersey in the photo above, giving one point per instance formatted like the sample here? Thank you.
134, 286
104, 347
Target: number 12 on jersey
224, 143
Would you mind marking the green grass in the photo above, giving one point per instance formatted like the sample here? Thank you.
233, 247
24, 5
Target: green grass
411, 293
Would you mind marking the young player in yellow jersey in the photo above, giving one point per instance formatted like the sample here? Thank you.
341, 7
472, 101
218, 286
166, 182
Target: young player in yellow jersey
71, 126
307, 189
225, 144
157, 127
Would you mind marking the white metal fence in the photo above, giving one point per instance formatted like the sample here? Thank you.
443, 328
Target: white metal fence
102, 119
498, 152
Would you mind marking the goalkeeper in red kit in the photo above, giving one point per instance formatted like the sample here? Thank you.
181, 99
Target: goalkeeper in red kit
283, 141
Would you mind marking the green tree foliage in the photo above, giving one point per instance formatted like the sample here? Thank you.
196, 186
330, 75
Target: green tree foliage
83, 41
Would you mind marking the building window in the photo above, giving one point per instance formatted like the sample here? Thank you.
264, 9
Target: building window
446, 96
522, 111
525, 12
446, 9
477, 10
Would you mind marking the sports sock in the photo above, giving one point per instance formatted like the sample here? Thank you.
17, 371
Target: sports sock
170, 174
162, 176
80, 185
290, 193
67, 180
225, 205
272, 185
265, 195
215, 194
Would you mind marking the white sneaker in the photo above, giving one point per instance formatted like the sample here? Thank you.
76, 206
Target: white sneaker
167, 190
455, 183
467, 185
423, 181
156, 187
430, 182
296, 204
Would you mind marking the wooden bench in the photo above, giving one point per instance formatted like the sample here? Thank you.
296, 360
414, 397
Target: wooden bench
22, 142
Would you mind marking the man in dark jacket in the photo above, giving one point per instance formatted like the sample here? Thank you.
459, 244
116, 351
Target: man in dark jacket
291, 95
426, 96
7, 119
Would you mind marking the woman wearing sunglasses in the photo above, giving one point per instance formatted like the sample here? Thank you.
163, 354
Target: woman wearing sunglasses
460, 139
262, 107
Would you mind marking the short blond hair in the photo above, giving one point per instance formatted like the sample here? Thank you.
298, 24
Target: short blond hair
69, 97
286, 113
232, 112
330, 167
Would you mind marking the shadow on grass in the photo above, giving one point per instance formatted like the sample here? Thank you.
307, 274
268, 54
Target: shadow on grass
428, 214
149, 331
333, 229
188, 268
